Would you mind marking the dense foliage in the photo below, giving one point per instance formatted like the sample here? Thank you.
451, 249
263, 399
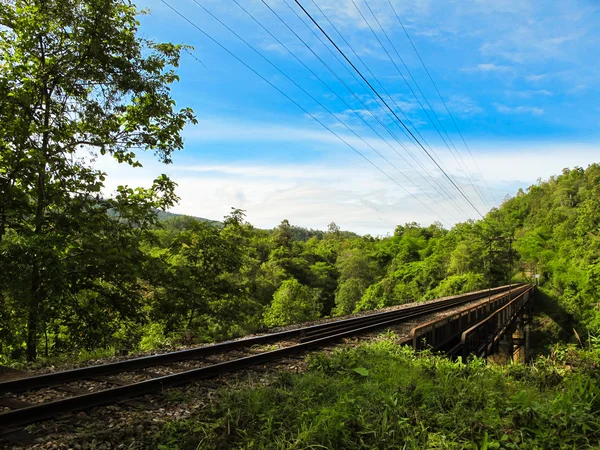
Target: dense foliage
557, 229
192, 280
76, 83
384, 396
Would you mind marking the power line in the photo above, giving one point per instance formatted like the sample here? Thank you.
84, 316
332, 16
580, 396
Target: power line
445, 194
295, 83
462, 167
386, 104
391, 97
442, 191
407, 84
337, 95
442, 99
296, 104
305, 92
195, 57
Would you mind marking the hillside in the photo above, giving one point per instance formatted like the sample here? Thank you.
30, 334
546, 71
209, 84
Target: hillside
556, 225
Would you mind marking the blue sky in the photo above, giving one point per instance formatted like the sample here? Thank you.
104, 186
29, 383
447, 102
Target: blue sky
519, 77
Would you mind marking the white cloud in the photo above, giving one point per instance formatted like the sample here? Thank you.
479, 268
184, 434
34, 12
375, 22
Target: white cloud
503, 109
345, 190
489, 67
536, 77
462, 105
217, 130
530, 93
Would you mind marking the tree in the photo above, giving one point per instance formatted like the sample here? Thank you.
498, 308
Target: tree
203, 265
283, 235
323, 276
354, 263
75, 80
460, 284
348, 295
292, 303
333, 231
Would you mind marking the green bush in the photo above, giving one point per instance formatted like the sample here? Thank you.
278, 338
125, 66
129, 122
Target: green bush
459, 284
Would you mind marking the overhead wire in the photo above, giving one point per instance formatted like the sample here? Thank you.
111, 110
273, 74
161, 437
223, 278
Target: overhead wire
436, 184
298, 105
359, 116
442, 100
445, 140
393, 112
445, 194
309, 95
409, 87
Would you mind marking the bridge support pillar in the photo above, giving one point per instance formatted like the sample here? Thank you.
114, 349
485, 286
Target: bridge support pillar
514, 344
521, 339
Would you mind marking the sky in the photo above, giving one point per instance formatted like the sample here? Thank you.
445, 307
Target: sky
288, 130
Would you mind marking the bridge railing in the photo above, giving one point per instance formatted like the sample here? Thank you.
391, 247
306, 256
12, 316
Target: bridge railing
481, 338
445, 333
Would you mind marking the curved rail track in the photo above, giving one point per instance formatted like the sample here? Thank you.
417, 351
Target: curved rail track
168, 370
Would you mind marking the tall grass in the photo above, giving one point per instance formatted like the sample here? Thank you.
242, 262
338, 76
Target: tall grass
385, 396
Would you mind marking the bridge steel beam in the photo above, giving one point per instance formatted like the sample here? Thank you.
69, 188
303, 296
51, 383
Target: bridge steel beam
482, 338
445, 334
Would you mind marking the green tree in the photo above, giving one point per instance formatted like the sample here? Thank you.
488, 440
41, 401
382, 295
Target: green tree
348, 295
283, 235
200, 263
460, 284
323, 277
355, 263
292, 303
76, 79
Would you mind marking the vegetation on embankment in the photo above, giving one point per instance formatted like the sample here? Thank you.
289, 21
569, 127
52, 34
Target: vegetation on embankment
382, 395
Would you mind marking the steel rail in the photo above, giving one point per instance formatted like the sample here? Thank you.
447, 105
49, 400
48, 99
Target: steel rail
446, 301
424, 309
52, 379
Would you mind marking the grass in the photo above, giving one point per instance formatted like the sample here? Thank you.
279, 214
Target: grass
66, 360
382, 395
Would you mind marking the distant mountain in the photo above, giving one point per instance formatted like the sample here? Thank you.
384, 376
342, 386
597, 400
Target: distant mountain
298, 233
165, 215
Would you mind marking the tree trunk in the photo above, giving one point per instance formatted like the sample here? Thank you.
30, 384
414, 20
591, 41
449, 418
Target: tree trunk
46, 339
32, 323
33, 318
192, 314
37, 295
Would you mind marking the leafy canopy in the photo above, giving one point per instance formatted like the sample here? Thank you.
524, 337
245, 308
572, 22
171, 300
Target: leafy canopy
77, 83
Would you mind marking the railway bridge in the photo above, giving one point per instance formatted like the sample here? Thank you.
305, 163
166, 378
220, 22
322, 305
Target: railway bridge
496, 325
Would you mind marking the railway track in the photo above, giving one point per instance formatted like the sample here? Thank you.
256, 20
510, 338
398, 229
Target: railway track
73, 390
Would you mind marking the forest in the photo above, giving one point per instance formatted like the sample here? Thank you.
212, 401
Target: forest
88, 273
179, 280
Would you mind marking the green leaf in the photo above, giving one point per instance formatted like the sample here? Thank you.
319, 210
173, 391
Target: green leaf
484, 446
361, 371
